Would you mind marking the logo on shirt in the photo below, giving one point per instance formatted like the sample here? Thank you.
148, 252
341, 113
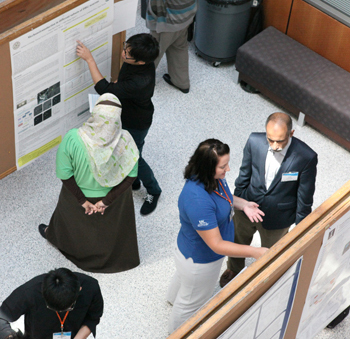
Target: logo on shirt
202, 223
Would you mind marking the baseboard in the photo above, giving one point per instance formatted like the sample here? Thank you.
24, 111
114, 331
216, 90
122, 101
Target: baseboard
9, 171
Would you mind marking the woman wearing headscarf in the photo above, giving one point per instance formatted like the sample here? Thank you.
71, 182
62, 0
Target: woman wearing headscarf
206, 235
97, 164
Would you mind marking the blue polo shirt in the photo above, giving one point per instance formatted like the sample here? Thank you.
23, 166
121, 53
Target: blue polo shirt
200, 211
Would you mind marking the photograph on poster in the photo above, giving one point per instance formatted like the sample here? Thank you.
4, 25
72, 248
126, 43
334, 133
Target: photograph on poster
47, 104
38, 109
19, 105
48, 93
47, 114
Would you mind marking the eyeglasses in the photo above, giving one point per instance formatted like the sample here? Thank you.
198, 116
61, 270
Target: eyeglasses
69, 309
125, 46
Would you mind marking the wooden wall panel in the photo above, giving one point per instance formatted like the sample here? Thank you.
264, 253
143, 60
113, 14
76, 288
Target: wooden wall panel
321, 33
16, 12
276, 13
7, 130
117, 48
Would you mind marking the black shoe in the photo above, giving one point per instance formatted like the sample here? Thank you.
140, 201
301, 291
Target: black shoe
226, 277
42, 229
167, 79
339, 318
150, 204
248, 88
136, 185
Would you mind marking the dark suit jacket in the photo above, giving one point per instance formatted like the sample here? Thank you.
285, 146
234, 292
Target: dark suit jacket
284, 203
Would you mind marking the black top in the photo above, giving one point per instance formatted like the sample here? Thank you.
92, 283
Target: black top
41, 322
134, 89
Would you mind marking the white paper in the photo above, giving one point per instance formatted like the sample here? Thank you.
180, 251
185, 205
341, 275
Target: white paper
92, 101
329, 291
124, 15
269, 316
50, 83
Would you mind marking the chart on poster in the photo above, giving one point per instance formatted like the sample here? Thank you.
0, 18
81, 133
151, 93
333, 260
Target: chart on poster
50, 83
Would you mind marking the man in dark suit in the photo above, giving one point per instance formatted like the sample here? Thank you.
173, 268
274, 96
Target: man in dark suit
278, 172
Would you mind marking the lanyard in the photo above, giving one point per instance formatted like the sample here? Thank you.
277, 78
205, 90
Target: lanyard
62, 321
227, 197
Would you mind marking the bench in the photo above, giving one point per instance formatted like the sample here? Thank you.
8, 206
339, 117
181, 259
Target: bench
311, 87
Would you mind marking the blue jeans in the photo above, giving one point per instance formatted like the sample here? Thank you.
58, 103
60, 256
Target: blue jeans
145, 173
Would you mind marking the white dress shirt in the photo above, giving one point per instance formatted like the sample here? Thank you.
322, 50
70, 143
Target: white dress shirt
273, 163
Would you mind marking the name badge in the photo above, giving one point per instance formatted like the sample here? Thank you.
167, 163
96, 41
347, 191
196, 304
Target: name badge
232, 213
63, 335
291, 176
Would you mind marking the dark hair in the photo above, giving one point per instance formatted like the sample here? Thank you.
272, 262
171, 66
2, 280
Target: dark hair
60, 289
143, 47
281, 119
202, 164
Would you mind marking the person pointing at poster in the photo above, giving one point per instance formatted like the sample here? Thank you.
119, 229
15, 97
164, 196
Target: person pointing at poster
134, 88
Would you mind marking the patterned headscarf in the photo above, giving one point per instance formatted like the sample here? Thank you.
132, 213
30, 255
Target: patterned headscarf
112, 150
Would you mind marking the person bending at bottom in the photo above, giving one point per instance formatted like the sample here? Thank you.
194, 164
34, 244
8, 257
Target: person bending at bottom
52, 303
207, 231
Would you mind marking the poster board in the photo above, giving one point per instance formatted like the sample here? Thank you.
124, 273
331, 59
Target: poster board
18, 17
236, 298
329, 290
268, 317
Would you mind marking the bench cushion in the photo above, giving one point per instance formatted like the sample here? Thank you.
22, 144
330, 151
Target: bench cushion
329, 100
299, 76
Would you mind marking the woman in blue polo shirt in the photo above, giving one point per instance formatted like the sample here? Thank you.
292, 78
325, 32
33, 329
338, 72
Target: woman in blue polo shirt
207, 233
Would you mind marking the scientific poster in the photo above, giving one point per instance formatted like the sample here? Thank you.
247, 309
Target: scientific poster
50, 83
268, 317
329, 291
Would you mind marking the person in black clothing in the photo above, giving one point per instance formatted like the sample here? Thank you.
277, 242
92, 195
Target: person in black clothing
51, 299
134, 88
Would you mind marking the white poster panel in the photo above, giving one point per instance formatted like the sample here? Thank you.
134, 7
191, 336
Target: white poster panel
124, 15
268, 317
50, 83
329, 291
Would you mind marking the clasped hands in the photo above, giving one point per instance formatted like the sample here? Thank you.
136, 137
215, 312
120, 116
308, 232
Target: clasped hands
90, 208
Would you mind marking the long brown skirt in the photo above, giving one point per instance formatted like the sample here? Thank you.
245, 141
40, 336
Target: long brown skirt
96, 243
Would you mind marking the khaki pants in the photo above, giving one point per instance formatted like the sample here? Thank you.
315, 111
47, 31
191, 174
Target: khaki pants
175, 46
244, 231
190, 288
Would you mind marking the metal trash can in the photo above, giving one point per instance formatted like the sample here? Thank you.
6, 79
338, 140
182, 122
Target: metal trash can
220, 28
144, 4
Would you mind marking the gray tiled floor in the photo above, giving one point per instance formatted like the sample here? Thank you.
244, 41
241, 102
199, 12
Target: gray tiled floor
135, 305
